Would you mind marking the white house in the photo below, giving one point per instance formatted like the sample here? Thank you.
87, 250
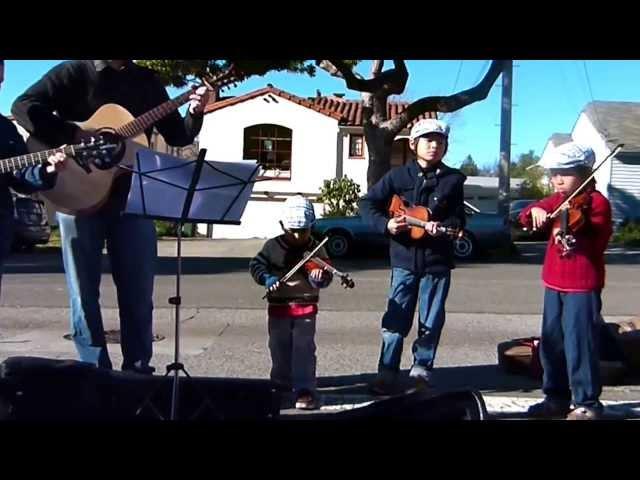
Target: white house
603, 125
300, 142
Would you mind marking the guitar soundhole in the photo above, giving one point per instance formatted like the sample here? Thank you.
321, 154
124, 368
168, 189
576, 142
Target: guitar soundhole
109, 136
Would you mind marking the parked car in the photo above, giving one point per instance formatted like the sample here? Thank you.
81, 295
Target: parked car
346, 234
31, 224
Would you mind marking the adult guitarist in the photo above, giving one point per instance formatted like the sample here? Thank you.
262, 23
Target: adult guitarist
71, 92
421, 267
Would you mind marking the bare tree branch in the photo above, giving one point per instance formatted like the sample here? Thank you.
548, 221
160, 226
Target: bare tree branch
397, 79
449, 103
329, 67
376, 68
367, 108
388, 81
401, 67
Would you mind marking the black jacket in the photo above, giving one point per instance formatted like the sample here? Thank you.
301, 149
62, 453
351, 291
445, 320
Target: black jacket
440, 189
74, 90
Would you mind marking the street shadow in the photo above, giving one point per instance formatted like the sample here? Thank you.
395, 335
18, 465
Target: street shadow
485, 378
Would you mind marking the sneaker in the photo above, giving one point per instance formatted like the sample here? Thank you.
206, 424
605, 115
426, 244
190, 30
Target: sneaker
585, 413
548, 409
307, 400
385, 383
422, 377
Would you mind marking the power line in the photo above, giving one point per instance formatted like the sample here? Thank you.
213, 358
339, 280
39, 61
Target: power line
595, 110
455, 84
450, 115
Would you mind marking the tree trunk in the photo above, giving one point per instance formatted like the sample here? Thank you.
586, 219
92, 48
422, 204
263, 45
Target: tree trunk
379, 145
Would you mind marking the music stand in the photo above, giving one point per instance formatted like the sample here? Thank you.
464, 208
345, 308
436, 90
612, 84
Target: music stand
164, 187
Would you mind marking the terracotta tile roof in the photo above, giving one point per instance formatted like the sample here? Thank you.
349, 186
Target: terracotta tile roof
351, 110
347, 112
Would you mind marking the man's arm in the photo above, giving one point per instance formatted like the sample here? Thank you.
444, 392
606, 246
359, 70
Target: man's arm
34, 109
175, 130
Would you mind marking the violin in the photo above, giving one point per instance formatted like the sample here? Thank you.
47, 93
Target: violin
417, 217
316, 262
571, 219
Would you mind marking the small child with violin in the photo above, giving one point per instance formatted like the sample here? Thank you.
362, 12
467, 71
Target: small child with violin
573, 276
421, 252
293, 305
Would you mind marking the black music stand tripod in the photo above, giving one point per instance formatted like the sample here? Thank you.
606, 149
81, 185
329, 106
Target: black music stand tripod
164, 187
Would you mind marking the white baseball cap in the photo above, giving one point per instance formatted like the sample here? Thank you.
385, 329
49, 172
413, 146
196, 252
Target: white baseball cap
568, 155
429, 125
298, 212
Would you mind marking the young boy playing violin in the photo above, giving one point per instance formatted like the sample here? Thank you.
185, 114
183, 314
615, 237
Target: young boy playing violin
293, 305
573, 276
421, 268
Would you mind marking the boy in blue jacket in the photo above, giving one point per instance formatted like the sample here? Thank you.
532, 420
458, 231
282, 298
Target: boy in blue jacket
421, 269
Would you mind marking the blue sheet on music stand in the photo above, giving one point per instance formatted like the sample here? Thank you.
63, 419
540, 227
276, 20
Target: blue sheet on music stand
160, 186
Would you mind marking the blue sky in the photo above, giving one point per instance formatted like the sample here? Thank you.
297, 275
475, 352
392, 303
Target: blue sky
547, 96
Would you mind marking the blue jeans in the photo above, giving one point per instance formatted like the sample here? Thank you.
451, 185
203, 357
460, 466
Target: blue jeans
131, 244
406, 289
569, 347
6, 238
293, 351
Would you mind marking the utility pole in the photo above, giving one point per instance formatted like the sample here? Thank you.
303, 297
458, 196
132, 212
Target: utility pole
504, 178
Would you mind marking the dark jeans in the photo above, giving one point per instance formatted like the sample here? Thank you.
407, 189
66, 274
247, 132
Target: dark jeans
570, 347
406, 289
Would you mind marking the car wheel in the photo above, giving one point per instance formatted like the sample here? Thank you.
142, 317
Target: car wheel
465, 247
338, 244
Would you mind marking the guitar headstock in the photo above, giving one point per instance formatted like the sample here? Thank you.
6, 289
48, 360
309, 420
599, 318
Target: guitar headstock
99, 150
229, 77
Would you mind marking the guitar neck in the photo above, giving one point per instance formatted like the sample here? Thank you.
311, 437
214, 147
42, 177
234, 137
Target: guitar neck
146, 120
22, 161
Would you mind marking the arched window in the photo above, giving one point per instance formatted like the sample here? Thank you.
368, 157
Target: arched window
270, 145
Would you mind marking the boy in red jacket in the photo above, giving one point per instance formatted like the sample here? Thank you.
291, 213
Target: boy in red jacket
573, 280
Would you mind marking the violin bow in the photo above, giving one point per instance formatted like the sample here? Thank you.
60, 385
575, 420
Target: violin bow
297, 266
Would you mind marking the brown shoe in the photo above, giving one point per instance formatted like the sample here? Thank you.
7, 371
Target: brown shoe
385, 383
585, 413
307, 400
